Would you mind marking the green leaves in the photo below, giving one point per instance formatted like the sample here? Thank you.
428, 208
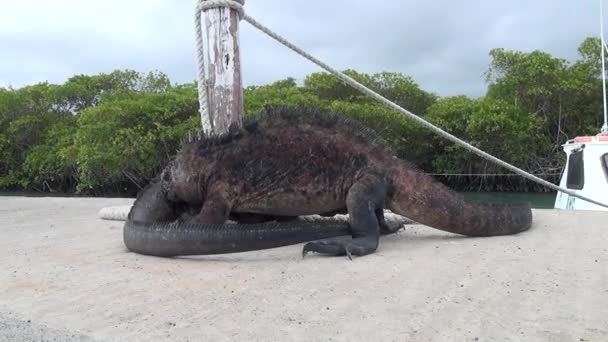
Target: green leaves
323, 90
280, 93
107, 133
112, 132
129, 140
566, 96
51, 165
493, 125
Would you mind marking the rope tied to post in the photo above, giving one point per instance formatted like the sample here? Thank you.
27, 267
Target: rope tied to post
236, 5
202, 83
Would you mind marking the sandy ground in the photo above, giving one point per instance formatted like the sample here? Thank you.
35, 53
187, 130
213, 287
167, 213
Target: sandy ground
67, 276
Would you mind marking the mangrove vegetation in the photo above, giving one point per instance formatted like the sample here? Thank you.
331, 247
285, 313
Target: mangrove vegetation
109, 134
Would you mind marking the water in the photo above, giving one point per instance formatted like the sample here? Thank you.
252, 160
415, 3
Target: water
537, 200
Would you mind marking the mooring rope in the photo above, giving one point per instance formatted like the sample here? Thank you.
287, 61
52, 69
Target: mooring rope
203, 85
238, 6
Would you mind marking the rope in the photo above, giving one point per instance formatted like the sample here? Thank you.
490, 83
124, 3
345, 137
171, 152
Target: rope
202, 82
352, 82
203, 85
117, 213
236, 5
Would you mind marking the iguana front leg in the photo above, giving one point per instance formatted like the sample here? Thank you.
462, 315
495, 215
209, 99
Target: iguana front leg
364, 202
215, 209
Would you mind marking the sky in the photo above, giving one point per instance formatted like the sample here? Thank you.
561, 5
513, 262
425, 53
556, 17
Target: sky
442, 44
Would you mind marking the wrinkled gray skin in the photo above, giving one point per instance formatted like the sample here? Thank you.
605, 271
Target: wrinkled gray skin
252, 232
286, 163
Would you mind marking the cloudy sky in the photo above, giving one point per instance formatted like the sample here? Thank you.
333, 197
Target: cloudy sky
442, 44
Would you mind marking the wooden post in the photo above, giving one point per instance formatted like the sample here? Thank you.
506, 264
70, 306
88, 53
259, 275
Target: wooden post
224, 69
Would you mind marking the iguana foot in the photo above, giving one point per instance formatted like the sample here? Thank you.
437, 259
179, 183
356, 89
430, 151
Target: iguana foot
337, 247
364, 203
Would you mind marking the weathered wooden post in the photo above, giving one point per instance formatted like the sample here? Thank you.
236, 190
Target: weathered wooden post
224, 86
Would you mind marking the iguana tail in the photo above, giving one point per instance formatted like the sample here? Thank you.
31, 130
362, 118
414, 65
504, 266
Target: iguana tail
152, 228
427, 201
175, 239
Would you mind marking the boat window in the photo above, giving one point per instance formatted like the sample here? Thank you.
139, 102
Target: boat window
604, 159
576, 170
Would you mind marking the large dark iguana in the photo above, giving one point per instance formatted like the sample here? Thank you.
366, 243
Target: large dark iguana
287, 163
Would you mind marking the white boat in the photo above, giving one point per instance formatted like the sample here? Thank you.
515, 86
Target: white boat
586, 173
586, 170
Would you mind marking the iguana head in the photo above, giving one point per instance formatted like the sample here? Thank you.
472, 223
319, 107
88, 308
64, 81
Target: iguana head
152, 205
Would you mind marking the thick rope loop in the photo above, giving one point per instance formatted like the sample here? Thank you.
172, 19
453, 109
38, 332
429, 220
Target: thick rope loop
236, 5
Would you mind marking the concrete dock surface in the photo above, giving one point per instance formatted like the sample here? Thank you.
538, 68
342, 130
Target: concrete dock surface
66, 276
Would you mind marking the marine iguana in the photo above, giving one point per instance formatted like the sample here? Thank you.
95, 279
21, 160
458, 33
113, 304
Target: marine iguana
291, 162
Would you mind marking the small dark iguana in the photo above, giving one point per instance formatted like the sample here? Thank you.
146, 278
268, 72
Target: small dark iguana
288, 163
